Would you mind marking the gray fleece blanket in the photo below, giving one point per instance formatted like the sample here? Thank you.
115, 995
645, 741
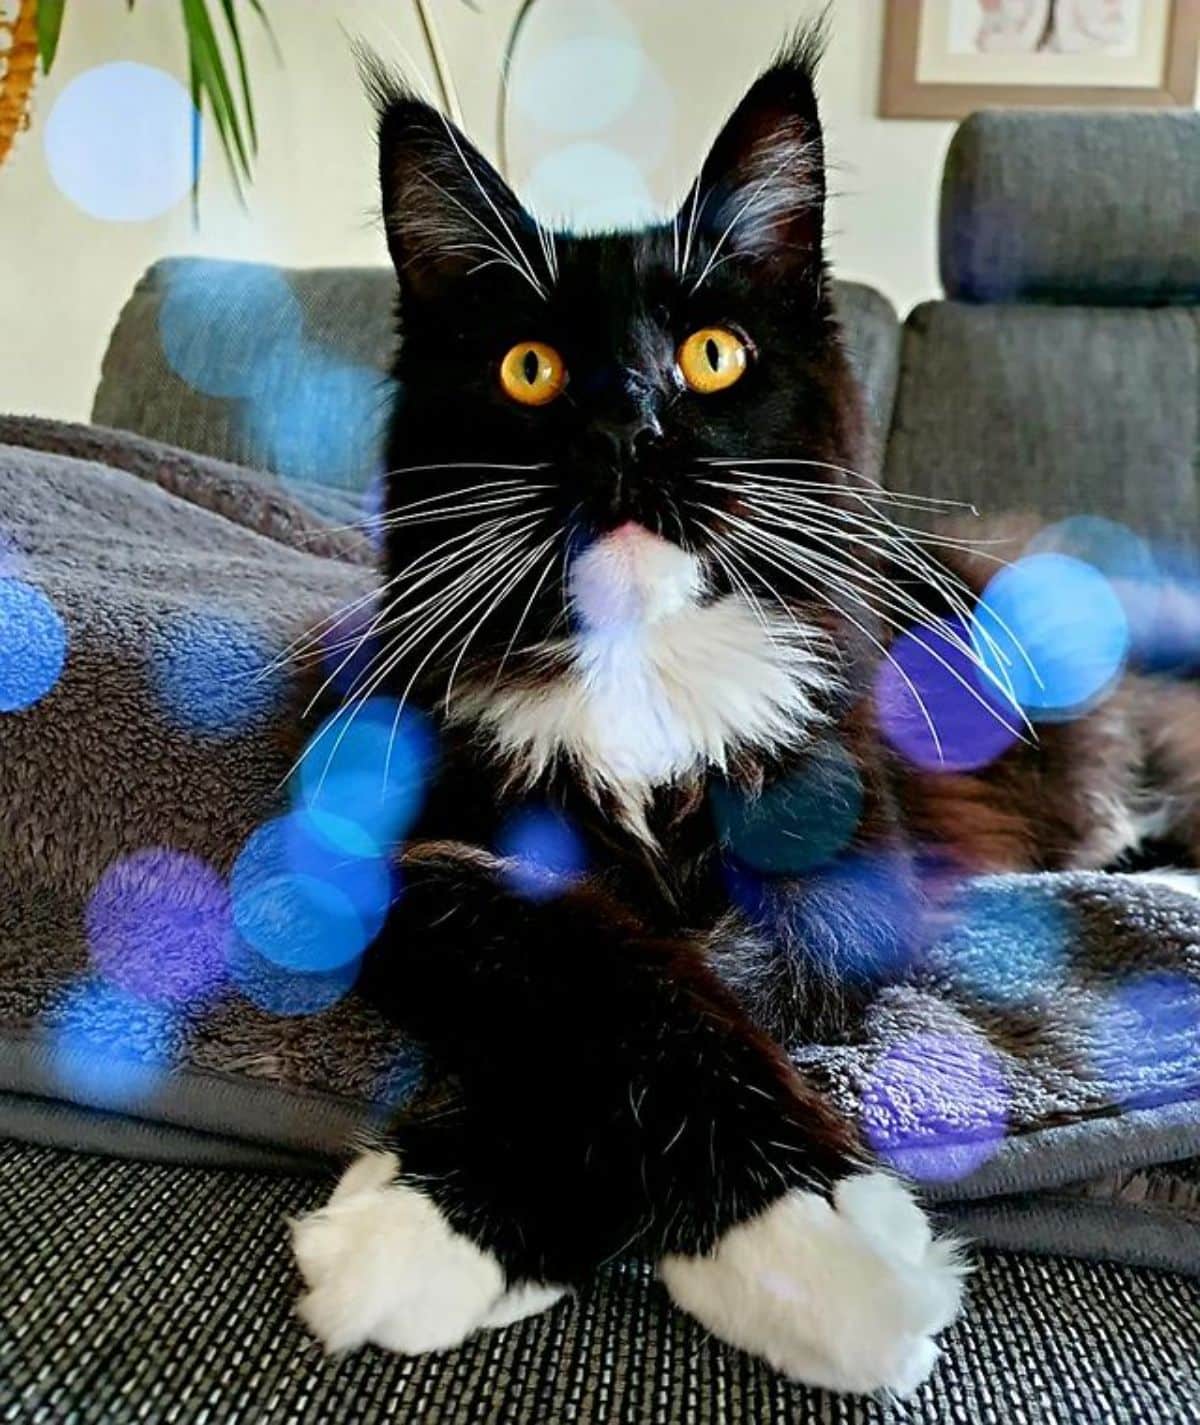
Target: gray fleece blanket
1038, 1073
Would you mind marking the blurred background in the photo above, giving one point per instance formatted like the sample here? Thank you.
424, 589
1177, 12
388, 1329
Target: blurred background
612, 104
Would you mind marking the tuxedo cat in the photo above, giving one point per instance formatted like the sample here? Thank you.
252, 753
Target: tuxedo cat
631, 573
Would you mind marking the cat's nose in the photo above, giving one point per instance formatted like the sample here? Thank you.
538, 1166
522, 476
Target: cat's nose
632, 440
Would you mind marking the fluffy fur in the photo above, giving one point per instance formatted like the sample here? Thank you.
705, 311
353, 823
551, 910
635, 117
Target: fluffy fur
847, 1294
632, 606
658, 685
382, 1265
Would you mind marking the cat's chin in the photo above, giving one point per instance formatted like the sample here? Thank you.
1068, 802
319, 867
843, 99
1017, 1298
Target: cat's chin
631, 576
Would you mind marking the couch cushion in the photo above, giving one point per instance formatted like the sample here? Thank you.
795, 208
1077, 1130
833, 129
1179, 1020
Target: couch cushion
1056, 410
286, 369
1073, 207
159, 1293
279, 370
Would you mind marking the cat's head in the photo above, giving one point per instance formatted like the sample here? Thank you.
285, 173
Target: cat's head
600, 427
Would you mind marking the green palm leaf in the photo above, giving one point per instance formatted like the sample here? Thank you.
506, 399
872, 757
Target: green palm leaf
235, 34
211, 87
49, 26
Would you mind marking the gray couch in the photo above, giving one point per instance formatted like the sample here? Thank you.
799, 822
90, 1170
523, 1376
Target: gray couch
1061, 374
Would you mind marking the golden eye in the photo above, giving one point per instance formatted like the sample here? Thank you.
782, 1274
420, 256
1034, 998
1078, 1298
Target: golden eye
713, 359
533, 373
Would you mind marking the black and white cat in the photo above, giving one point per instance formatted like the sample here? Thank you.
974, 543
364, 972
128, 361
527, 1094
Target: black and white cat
590, 426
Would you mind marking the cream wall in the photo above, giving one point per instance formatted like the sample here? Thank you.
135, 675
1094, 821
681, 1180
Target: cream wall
64, 275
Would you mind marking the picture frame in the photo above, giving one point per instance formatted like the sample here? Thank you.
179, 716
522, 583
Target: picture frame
943, 59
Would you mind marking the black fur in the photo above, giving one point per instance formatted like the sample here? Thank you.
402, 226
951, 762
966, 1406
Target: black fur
604, 1092
600, 1089
598, 1086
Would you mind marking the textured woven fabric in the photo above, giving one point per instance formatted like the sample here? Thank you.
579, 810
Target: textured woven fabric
141, 1292
1073, 207
1058, 411
283, 369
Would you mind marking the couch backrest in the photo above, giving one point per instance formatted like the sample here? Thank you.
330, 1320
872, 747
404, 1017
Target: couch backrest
275, 368
1062, 373
287, 370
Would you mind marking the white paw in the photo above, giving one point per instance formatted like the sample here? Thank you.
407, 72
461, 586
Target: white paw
382, 1264
848, 1296
525, 1299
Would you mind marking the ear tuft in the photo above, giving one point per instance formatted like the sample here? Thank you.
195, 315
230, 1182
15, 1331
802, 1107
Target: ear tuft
804, 49
761, 192
447, 212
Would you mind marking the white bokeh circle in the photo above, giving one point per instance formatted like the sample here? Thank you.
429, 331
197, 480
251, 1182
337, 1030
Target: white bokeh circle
580, 85
590, 187
118, 142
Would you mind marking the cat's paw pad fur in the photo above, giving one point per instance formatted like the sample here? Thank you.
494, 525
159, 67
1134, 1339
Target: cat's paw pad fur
848, 1295
382, 1265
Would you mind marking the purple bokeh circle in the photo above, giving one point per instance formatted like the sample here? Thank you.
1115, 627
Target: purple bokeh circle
159, 926
936, 1106
973, 721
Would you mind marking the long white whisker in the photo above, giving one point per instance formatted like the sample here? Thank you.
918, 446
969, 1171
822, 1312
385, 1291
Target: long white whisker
816, 589
877, 490
905, 547
516, 633
458, 512
487, 198
398, 609
731, 551
737, 218
505, 569
518, 262
800, 560
897, 548
737, 581
869, 498
479, 543
358, 698
464, 465
691, 228
892, 596
436, 608
813, 493
907, 555
511, 583
448, 497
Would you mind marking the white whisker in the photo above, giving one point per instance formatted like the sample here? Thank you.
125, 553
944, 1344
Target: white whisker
819, 593
757, 195
908, 555
691, 228
487, 198
802, 560
511, 583
905, 547
516, 633
479, 543
388, 659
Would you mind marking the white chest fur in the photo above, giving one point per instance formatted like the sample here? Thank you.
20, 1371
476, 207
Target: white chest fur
657, 684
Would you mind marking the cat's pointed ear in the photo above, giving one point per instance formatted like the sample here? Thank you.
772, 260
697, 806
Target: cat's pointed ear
761, 192
446, 210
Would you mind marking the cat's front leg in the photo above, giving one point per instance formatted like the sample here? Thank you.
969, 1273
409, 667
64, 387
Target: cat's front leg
839, 1281
604, 1093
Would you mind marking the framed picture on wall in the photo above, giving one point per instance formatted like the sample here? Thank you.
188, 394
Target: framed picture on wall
944, 58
